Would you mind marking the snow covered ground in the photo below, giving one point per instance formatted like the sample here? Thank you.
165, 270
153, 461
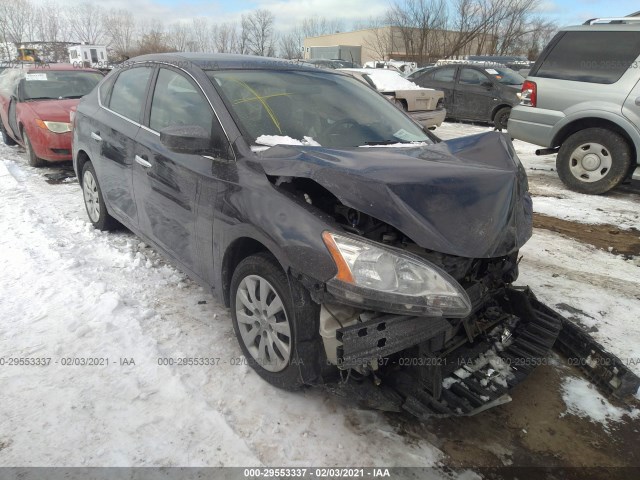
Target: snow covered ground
68, 291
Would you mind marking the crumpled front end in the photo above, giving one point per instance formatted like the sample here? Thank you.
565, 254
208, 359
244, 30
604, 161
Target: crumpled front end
421, 315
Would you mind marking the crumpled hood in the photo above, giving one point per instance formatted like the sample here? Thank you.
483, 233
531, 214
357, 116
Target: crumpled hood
466, 197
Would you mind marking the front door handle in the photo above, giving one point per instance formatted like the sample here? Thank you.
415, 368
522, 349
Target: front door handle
638, 101
143, 162
96, 136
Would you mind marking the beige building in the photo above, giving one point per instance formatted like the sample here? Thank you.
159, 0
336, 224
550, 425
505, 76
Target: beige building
397, 43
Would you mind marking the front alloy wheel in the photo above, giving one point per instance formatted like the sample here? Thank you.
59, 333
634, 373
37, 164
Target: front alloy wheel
276, 323
263, 323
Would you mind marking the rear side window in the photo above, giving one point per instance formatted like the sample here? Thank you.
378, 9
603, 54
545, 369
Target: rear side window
444, 75
127, 95
593, 56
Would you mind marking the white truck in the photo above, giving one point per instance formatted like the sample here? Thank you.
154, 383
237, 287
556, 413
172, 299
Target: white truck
94, 56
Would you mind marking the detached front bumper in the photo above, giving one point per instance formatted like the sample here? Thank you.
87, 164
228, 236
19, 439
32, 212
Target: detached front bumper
429, 118
426, 371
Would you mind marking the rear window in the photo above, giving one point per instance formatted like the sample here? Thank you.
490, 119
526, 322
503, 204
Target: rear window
593, 57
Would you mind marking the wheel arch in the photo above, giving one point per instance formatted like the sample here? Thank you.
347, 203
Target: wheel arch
498, 108
235, 253
81, 159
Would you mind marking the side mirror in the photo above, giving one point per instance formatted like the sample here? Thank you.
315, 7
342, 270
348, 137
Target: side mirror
487, 85
189, 139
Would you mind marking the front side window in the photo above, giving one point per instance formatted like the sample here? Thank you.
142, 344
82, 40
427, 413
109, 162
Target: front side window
593, 56
127, 95
469, 76
176, 101
312, 107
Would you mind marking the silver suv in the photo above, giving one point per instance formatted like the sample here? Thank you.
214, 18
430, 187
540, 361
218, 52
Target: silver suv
581, 100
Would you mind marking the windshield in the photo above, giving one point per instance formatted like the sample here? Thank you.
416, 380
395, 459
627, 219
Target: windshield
50, 85
505, 76
312, 108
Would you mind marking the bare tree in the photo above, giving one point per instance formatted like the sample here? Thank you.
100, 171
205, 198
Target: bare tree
119, 29
290, 45
316, 26
258, 36
85, 21
225, 38
179, 37
201, 35
379, 42
14, 19
421, 26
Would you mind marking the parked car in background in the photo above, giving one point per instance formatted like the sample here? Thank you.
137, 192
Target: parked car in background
333, 63
581, 100
424, 105
349, 247
35, 104
475, 92
513, 62
416, 73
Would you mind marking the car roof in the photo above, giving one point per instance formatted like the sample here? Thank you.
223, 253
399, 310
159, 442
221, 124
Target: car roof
222, 61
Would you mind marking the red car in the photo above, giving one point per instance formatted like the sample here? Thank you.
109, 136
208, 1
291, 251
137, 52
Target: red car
35, 103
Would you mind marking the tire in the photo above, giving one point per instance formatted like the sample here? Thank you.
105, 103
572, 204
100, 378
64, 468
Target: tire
593, 160
291, 331
93, 200
5, 136
501, 118
32, 159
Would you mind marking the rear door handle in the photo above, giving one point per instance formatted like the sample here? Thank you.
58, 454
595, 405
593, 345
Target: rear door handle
96, 136
143, 162
638, 101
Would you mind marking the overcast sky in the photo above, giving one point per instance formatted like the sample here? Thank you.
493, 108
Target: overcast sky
290, 12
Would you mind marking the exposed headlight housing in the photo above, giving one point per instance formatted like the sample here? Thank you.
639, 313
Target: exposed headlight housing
55, 127
391, 280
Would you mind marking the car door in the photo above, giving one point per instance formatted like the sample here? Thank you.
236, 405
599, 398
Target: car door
12, 112
442, 78
167, 184
113, 129
475, 95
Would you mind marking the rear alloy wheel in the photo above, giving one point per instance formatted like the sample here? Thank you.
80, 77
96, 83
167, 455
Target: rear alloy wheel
276, 323
5, 136
93, 200
593, 160
32, 158
501, 118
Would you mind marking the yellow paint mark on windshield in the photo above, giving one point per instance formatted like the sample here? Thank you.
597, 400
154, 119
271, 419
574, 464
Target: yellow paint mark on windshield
261, 99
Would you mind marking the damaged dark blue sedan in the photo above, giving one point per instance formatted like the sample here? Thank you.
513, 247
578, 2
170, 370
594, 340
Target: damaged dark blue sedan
355, 250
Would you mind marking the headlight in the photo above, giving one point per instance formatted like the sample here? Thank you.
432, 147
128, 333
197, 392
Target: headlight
383, 274
55, 127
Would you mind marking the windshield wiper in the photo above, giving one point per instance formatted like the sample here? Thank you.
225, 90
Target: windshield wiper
67, 97
384, 142
39, 98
